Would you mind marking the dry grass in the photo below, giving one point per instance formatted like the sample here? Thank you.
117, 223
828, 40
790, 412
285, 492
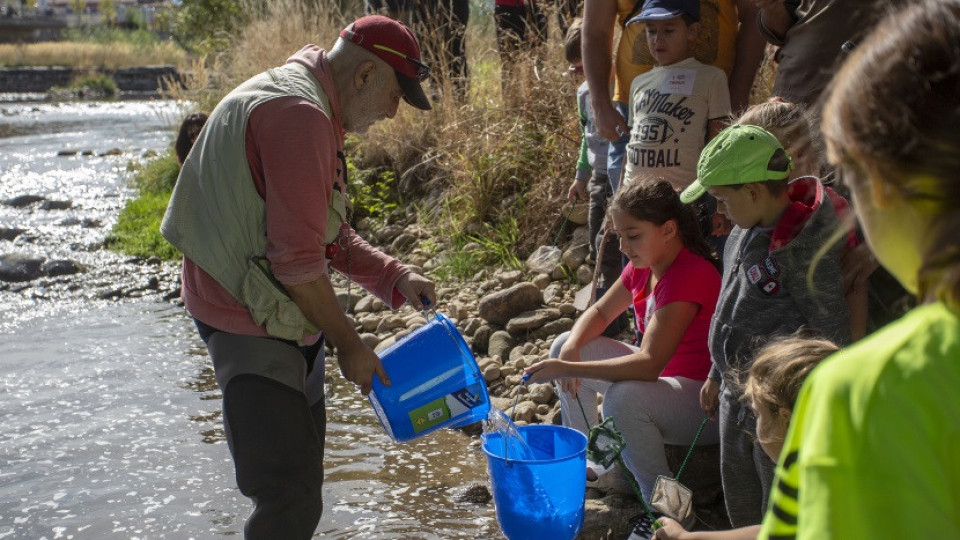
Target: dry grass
480, 163
487, 168
79, 54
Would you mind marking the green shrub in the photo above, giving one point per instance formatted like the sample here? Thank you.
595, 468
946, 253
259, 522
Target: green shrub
372, 192
96, 84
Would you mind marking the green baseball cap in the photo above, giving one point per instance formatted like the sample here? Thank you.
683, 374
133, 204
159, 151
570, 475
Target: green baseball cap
739, 154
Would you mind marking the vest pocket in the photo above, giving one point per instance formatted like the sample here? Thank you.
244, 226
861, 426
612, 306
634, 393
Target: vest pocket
269, 304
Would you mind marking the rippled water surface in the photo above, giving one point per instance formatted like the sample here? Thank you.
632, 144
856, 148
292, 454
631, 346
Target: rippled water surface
110, 414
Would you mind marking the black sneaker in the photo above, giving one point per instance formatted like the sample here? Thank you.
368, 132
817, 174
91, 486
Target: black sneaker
642, 526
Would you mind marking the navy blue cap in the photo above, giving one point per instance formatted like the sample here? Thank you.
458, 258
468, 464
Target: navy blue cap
659, 10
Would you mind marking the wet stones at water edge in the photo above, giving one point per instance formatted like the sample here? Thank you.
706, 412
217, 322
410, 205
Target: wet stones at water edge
20, 267
474, 494
104, 153
43, 203
10, 233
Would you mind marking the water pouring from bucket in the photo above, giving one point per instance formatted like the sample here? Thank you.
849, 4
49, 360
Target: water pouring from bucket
436, 383
543, 496
537, 476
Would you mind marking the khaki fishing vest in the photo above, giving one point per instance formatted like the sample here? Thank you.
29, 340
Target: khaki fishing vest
217, 218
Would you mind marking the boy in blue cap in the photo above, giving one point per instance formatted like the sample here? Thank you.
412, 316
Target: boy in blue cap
679, 105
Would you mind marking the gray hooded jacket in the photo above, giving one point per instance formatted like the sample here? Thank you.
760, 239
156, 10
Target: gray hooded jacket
766, 293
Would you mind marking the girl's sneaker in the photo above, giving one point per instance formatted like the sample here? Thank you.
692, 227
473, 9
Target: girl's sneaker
643, 527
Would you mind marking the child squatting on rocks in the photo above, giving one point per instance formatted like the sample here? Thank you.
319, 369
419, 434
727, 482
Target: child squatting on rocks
771, 390
651, 391
768, 291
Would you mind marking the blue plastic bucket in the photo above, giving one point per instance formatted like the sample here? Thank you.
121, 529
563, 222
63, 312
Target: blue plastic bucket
436, 383
542, 497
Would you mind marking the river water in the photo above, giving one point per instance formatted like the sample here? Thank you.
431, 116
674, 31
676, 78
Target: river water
110, 414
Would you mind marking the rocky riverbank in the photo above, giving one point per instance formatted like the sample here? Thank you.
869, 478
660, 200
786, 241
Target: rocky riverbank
508, 317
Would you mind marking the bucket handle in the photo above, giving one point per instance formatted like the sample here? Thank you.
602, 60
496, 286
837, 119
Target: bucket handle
427, 308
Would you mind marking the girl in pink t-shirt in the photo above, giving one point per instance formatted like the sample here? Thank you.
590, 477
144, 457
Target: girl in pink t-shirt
652, 392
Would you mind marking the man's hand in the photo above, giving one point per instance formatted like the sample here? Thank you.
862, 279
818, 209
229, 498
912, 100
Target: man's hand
358, 363
415, 288
709, 398
577, 191
609, 123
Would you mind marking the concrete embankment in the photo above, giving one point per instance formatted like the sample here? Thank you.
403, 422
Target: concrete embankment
42, 79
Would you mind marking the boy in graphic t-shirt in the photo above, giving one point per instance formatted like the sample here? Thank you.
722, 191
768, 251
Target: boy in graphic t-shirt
679, 105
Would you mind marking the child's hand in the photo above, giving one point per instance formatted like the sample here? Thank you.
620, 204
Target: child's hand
542, 372
710, 398
577, 191
670, 530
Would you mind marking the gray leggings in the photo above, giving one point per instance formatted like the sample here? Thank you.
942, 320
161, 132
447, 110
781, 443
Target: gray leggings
649, 414
745, 469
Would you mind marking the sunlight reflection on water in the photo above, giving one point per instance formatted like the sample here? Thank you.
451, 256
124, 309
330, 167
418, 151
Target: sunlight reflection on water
110, 413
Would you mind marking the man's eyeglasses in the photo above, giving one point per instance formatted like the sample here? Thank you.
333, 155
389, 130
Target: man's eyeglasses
423, 70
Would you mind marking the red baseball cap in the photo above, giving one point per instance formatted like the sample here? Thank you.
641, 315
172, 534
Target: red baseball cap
396, 45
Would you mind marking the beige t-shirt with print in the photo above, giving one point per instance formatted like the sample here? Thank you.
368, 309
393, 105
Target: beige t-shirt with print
668, 114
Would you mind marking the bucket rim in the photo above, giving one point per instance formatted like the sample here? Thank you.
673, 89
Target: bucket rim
534, 427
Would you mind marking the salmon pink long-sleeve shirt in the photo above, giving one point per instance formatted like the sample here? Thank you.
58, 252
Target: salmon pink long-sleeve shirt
292, 149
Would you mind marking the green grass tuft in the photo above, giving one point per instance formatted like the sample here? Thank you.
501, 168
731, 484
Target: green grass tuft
137, 231
158, 176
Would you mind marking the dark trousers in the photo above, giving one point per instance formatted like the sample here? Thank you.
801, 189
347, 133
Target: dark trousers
610, 263
274, 416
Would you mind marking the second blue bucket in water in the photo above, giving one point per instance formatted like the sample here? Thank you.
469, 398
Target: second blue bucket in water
436, 383
541, 497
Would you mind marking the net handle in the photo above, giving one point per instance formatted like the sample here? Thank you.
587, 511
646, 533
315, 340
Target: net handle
703, 424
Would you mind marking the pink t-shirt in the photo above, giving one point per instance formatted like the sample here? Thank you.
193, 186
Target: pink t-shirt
690, 278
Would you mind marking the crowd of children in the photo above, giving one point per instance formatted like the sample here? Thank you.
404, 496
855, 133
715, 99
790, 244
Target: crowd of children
744, 269
873, 448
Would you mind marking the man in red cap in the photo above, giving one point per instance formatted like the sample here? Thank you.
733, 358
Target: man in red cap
260, 214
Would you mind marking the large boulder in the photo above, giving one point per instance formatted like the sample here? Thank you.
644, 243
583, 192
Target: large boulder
501, 306
530, 320
64, 267
500, 344
15, 267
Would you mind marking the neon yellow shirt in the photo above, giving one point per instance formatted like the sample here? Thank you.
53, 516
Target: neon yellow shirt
878, 432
